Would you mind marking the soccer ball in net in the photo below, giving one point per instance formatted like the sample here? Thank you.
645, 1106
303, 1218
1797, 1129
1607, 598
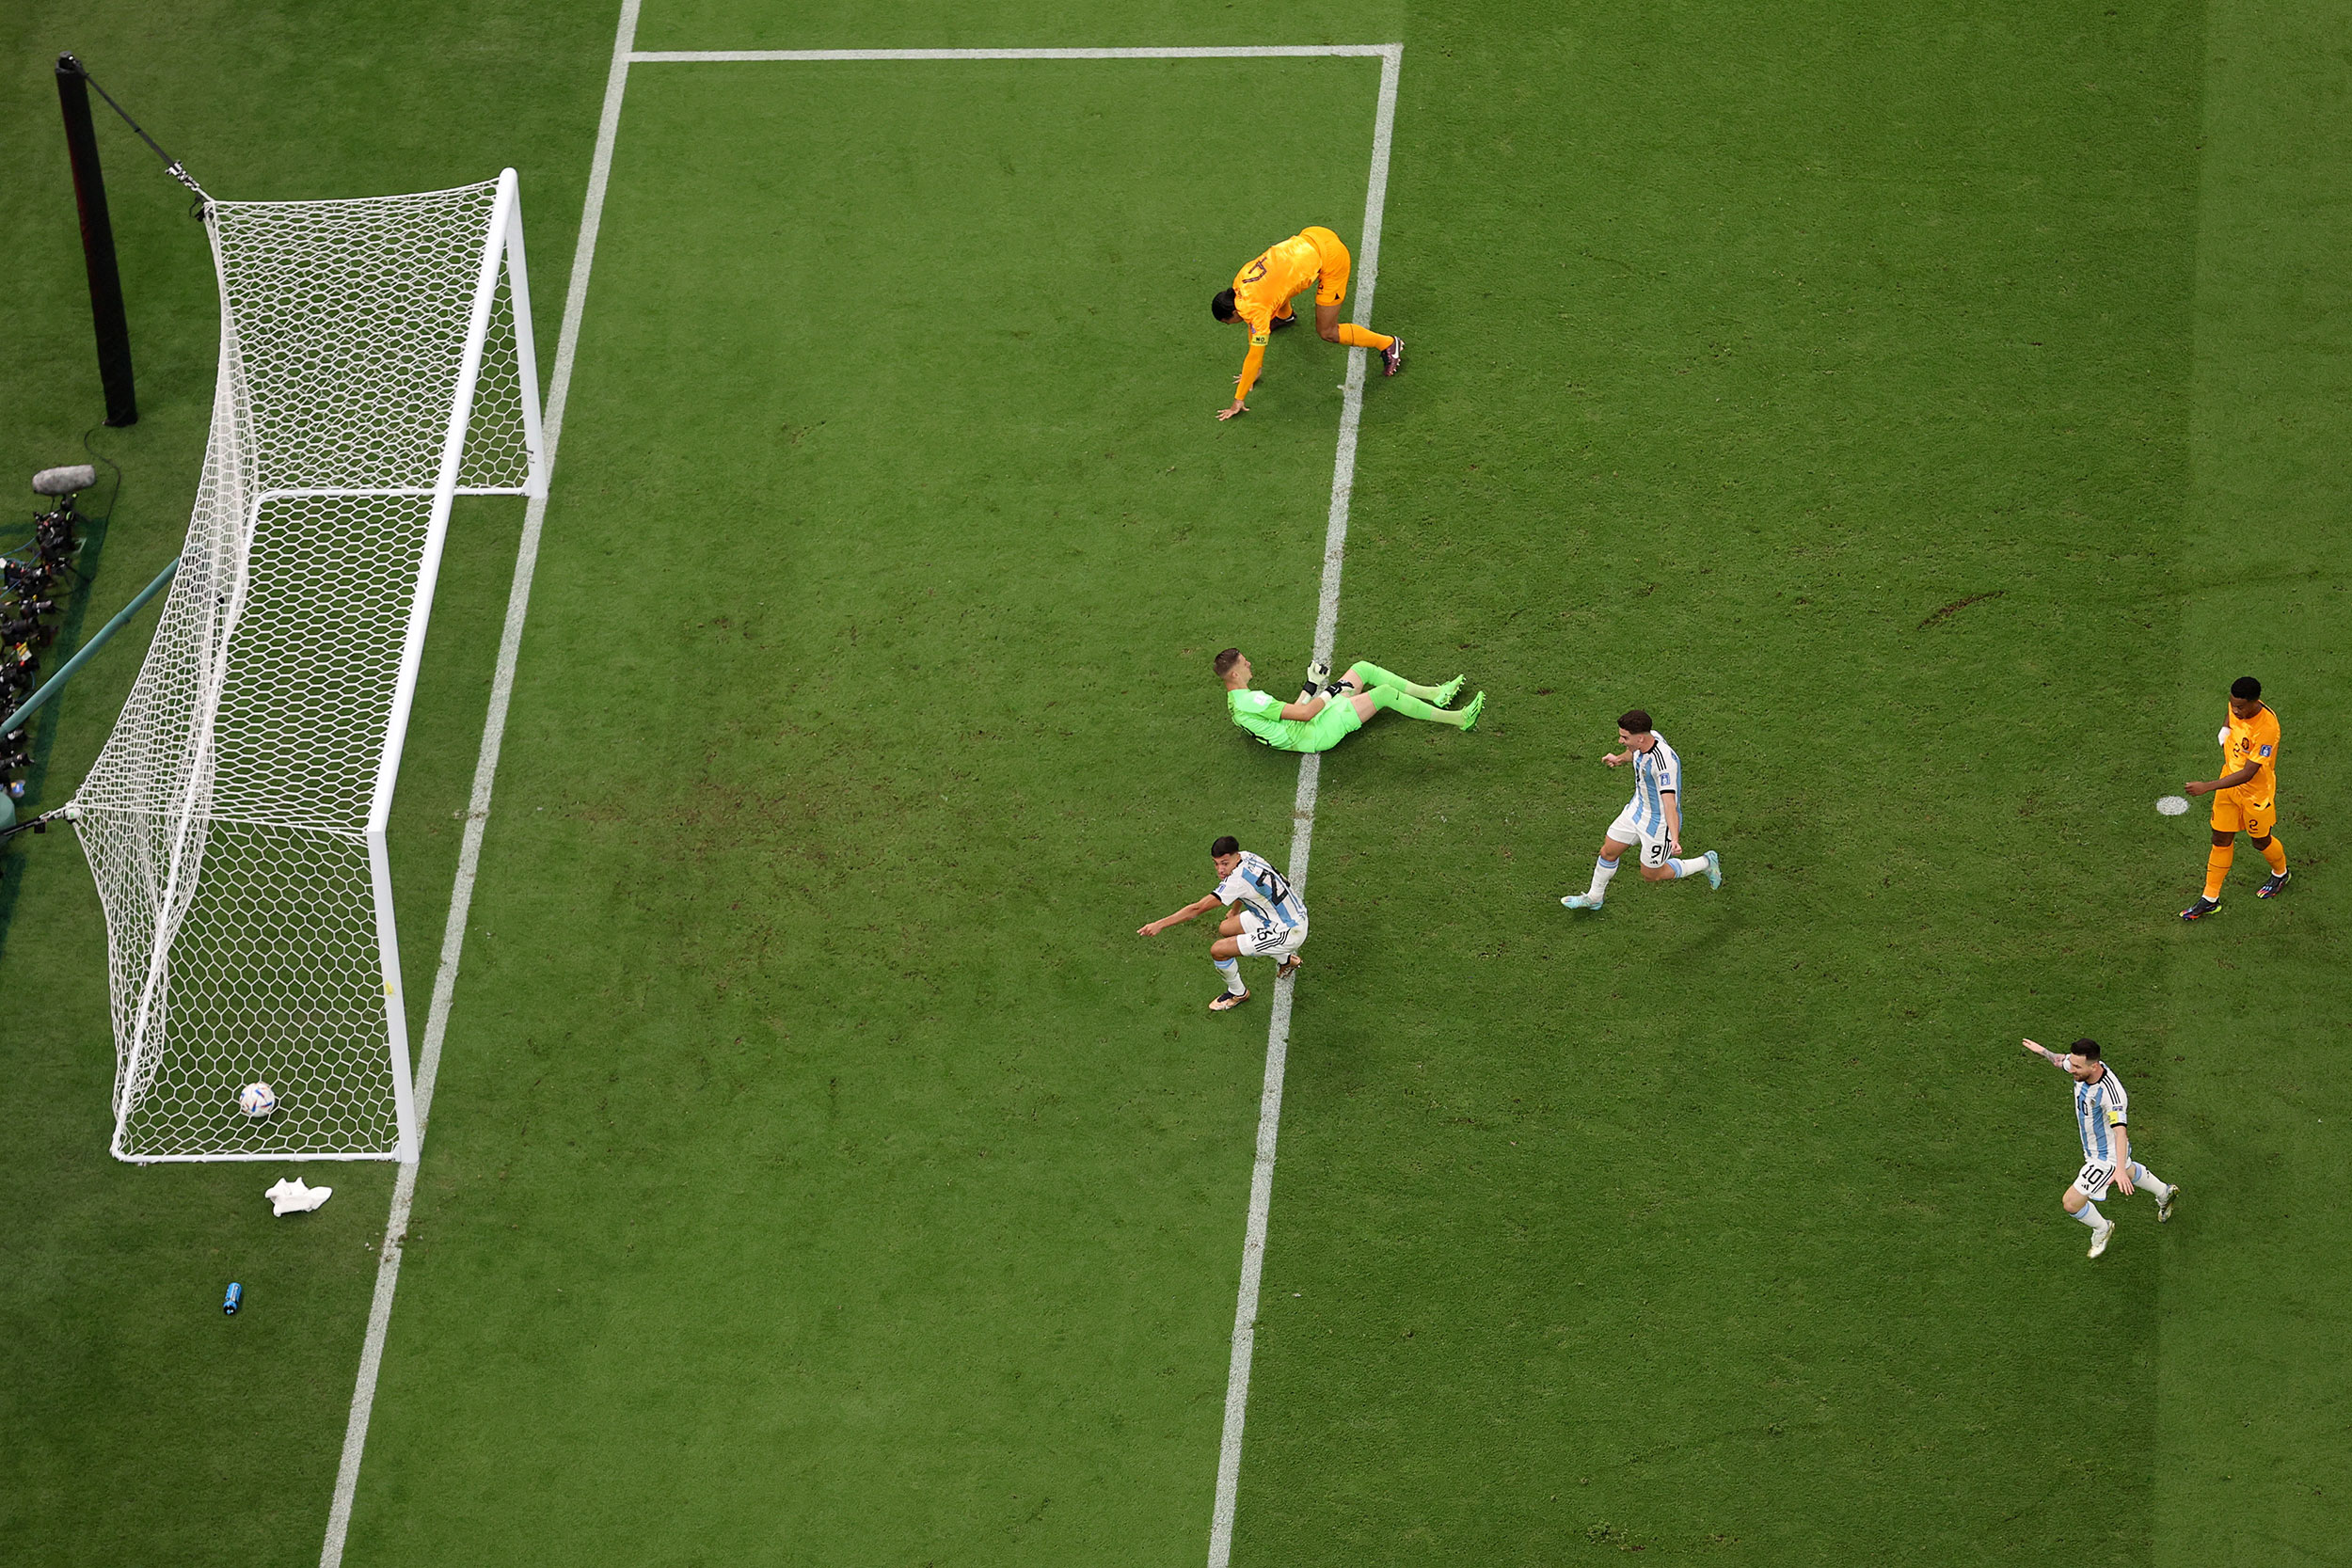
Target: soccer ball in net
257, 1099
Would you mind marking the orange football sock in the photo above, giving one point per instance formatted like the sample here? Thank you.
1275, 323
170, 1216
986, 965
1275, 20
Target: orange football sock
1363, 336
2276, 854
2218, 868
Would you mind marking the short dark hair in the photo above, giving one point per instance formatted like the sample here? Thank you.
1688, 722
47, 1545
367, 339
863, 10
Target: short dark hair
1221, 305
2246, 688
1226, 660
1634, 721
2086, 1048
1229, 845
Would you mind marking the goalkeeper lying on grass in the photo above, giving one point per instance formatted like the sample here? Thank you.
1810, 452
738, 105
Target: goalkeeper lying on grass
1328, 711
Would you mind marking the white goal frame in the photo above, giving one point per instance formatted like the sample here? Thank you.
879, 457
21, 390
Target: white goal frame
299, 354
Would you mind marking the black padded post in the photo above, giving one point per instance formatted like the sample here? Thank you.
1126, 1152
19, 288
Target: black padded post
98, 245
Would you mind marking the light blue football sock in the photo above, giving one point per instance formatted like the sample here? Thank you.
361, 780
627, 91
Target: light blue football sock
1602, 871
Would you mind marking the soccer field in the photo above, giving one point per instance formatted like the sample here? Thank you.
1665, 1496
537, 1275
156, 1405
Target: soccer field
1924, 416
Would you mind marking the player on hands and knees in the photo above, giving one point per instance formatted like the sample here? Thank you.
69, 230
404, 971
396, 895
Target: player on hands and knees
2245, 796
1259, 299
1652, 819
2101, 1110
1268, 918
1328, 711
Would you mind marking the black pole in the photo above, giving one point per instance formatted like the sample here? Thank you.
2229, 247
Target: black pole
98, 245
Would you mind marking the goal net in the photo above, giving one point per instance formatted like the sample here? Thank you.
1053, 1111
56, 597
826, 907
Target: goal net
375, 361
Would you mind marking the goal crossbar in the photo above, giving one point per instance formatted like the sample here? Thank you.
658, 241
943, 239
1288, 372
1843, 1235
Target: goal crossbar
377, 361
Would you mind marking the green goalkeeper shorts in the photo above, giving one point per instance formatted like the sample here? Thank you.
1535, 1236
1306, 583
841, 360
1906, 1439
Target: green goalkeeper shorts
1335, 723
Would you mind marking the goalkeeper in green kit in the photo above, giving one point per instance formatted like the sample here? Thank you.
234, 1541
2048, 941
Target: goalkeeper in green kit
1328, 711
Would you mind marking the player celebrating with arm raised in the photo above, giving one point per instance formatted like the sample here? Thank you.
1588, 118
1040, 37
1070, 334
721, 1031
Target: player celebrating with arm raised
1653, 819
1259, 299
2245, 796
1326, 714
1269, 919
2101, 1110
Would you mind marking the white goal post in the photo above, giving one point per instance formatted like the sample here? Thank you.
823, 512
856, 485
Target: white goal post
375, 362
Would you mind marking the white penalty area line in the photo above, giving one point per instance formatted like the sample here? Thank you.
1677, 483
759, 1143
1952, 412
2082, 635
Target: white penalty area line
510, 645
478, 810
1302, 832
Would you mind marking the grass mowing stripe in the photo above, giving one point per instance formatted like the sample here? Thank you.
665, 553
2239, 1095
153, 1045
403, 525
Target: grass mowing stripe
1710, 1218
478, 810
957, 1259
1302, 836
388, 1274
2252, 1362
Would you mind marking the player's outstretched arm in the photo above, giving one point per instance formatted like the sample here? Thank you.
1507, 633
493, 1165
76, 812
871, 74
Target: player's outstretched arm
1190, 912
2228, 781
1248, 377
2053, 1057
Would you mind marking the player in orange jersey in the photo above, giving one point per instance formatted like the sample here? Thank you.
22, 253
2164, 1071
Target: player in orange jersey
2245, 797
1259, 299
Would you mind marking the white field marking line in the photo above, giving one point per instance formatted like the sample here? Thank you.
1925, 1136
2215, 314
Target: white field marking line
1210, 52
478, 811
1302, 839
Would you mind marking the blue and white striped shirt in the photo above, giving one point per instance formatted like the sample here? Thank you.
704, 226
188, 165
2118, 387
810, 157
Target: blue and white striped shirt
1256, 886
1656, 773
2099, 1109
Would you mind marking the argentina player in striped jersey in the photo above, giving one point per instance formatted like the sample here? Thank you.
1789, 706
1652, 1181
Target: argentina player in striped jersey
1652, 819
2101, 1112
1269, 919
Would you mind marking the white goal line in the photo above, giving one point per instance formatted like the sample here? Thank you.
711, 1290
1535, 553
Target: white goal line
334, 492
626, 54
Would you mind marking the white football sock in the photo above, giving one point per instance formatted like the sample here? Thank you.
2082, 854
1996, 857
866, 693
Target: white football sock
1602, 871
2089, 1214
2143, 1177
1231, 969
1694, 866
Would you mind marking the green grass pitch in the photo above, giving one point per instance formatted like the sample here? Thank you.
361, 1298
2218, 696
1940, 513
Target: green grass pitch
1924, 412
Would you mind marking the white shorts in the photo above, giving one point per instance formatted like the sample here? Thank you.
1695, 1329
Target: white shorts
1624, 831
2091, 1180
1262, 941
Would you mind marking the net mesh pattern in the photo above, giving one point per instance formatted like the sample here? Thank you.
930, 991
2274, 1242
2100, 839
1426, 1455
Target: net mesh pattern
232, 820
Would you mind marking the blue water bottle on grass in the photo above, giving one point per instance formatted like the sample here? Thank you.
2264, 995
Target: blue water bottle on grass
234, 1299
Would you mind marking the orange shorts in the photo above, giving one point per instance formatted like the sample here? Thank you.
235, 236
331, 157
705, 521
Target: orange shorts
1331, 283
2231, 814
